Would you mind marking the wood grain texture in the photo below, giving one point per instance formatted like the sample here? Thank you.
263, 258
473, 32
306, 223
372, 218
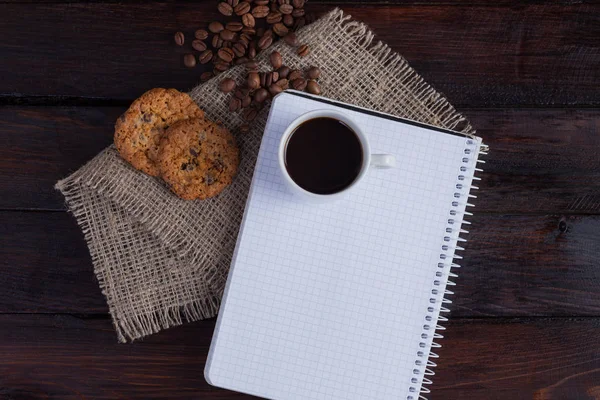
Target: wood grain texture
478, 55
541, 161
514, 266
70, 358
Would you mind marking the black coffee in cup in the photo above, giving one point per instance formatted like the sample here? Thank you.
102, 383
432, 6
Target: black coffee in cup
323, 156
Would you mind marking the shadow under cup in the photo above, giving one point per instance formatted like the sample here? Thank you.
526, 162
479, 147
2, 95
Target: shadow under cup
323, 155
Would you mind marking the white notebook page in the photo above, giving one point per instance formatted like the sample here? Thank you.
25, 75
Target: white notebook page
329, 301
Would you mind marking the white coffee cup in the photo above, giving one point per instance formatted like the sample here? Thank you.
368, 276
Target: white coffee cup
369, 160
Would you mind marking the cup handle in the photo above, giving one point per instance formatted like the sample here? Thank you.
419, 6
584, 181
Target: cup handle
383, 161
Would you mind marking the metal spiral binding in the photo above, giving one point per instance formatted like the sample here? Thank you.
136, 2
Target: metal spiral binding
423, 364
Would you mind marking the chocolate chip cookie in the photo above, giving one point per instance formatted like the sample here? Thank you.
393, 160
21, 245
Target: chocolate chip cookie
197, 158
139, 129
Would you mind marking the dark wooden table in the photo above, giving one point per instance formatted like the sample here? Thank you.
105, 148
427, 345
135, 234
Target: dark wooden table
526, 314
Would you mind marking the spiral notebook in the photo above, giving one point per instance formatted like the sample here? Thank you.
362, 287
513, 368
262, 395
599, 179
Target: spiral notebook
342, 300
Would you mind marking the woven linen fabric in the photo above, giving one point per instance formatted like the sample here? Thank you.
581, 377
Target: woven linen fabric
161, 260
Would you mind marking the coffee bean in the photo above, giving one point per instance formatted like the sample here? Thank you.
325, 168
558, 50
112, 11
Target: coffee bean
261, 2
261, 95
299, 84
189, 60
239, 49
281, 2
244, 128
275, 89
276, 60
215, 27
199, 45
226, 55
291, 39
288, 20
253, 80
295, 74
286, 8
233, 3
249, 114
268, 79
313, 73
242, 8
205, 57
225, 8
280, 29
248, 20
283, 83
245, 39
265, 42
241, 61
217, 42
234, 104
275, 76
227, 85
298, 3
246, 101
263, 78
251, 51
221, 66
274, 17
260, 11
303, 50
252, 66
284, 71
313, 87
299, 23
179, 38
206, 76
234, 26
298, 12
226, 34
201, 34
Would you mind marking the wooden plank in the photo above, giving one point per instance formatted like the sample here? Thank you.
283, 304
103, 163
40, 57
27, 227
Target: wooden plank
478, 55
541, 161
70, 358
513, 266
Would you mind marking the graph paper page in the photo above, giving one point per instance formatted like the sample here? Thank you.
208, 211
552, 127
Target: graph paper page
329, 301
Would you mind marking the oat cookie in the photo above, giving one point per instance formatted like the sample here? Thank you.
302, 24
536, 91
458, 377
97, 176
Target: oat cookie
139, 129
197, 158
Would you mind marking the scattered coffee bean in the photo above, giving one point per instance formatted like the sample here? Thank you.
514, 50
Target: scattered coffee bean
179, 38
226, 34
201, 34
225, 8
280, 2
261, 2
215, 27
234, 104
242, 8
265, 42
313, 73
253, 80
249, 31
245, 39
283, 83
291, 39
252, 66
260, 11
234, 26
280, 29
298, 12
199, 45
189, 60
226, 55
217, 42
239, 49
286, 8
288, 20
221, 66
263, 78
275, 75
268, 32
299, 23
276, 60
244, 128
313, 87
252, 50
249, 114
268, 79
246, 101
205, 57
261, 95
303, 50
274, 17
227, 85
284, 71
206, 76
299, 84
275, 89
248, 20
241, 61
295, 74
298, 3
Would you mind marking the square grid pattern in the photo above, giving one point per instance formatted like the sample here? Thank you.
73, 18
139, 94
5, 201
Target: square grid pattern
328, 301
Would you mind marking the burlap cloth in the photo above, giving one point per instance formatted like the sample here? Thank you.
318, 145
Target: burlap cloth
160, 260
